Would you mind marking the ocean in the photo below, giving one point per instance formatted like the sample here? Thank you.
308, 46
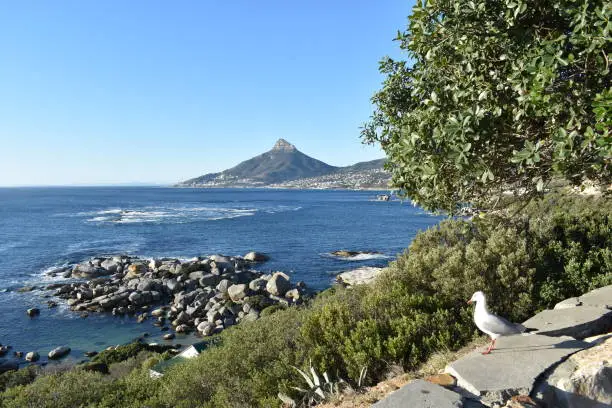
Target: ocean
46, 228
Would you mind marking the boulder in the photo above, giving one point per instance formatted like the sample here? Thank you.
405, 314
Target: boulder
209, 280
256, 257
136, 298
33, 312
237, 292
85, 294
110, 265
293, 294
579, 322
32, 356
206, 328
135, 271
182, 328
513, 367
359, 276
58, 352
258, 285
278, 284
222, 287
158, 312
196, 276
155, 263
601, 297
584, 380
88, 271
421, 393
169, 336
145, 285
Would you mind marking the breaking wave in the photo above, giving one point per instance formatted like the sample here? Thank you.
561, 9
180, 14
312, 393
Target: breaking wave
177, 215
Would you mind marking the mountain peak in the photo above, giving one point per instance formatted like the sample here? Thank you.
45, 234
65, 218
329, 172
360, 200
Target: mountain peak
283, 145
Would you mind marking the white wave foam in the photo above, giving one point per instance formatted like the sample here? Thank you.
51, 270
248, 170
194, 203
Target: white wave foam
181, 214
358, 257
8, 245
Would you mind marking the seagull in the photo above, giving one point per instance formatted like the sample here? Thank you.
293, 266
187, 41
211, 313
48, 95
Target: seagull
491, 324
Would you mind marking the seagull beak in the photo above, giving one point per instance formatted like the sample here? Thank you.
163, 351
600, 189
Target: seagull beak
469, 302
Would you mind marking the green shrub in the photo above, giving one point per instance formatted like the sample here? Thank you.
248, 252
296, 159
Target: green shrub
20, 377
547, 251
125, 351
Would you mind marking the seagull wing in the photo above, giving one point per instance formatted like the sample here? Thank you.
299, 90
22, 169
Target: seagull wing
499, 325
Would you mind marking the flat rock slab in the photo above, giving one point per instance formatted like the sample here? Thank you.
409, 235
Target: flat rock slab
359, 276
423, 394
601, 297
579, 322
512, 368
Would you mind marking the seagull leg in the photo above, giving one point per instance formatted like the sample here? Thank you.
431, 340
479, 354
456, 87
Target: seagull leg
491, 346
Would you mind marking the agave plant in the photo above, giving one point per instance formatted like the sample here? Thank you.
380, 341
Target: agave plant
318, 389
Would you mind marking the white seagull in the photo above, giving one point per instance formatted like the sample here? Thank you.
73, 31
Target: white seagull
491, 324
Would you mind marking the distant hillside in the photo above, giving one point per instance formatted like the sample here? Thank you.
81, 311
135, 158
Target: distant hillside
286, 166
364, 166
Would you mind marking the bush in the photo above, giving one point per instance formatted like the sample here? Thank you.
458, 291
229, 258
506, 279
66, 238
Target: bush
20, 377
547, 251
125, 351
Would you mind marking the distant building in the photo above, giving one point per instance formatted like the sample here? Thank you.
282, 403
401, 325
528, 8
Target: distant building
192, 351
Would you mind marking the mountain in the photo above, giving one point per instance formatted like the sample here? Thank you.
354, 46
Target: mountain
283, 166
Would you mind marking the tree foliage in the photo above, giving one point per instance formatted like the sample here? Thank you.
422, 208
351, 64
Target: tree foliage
496, 95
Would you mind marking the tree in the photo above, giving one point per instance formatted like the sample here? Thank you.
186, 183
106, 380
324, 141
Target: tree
496, 96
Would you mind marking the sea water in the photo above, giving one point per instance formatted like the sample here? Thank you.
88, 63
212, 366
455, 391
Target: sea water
46, 228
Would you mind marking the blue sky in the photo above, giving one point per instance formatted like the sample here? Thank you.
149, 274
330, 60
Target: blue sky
151, 91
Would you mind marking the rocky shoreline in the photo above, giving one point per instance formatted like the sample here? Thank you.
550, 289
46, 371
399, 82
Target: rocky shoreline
203, 295
207, 294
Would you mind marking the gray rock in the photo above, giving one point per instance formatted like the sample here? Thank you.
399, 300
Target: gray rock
601, 297
58, 352
256, 257
293, 294
33, 312
136, 298
512, 368
212, 316
222, 287
251, 316
258, 285
237, 292
206, 328
278, 284
196, 276
194, 310
134, 271
423, 394
88, 271
32, 356
145, 285
169, 336
220, 259
110, 265
584, 380
155, 263
182, 328
173, 286
579, 322
182, 317
209, 280
85, 294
